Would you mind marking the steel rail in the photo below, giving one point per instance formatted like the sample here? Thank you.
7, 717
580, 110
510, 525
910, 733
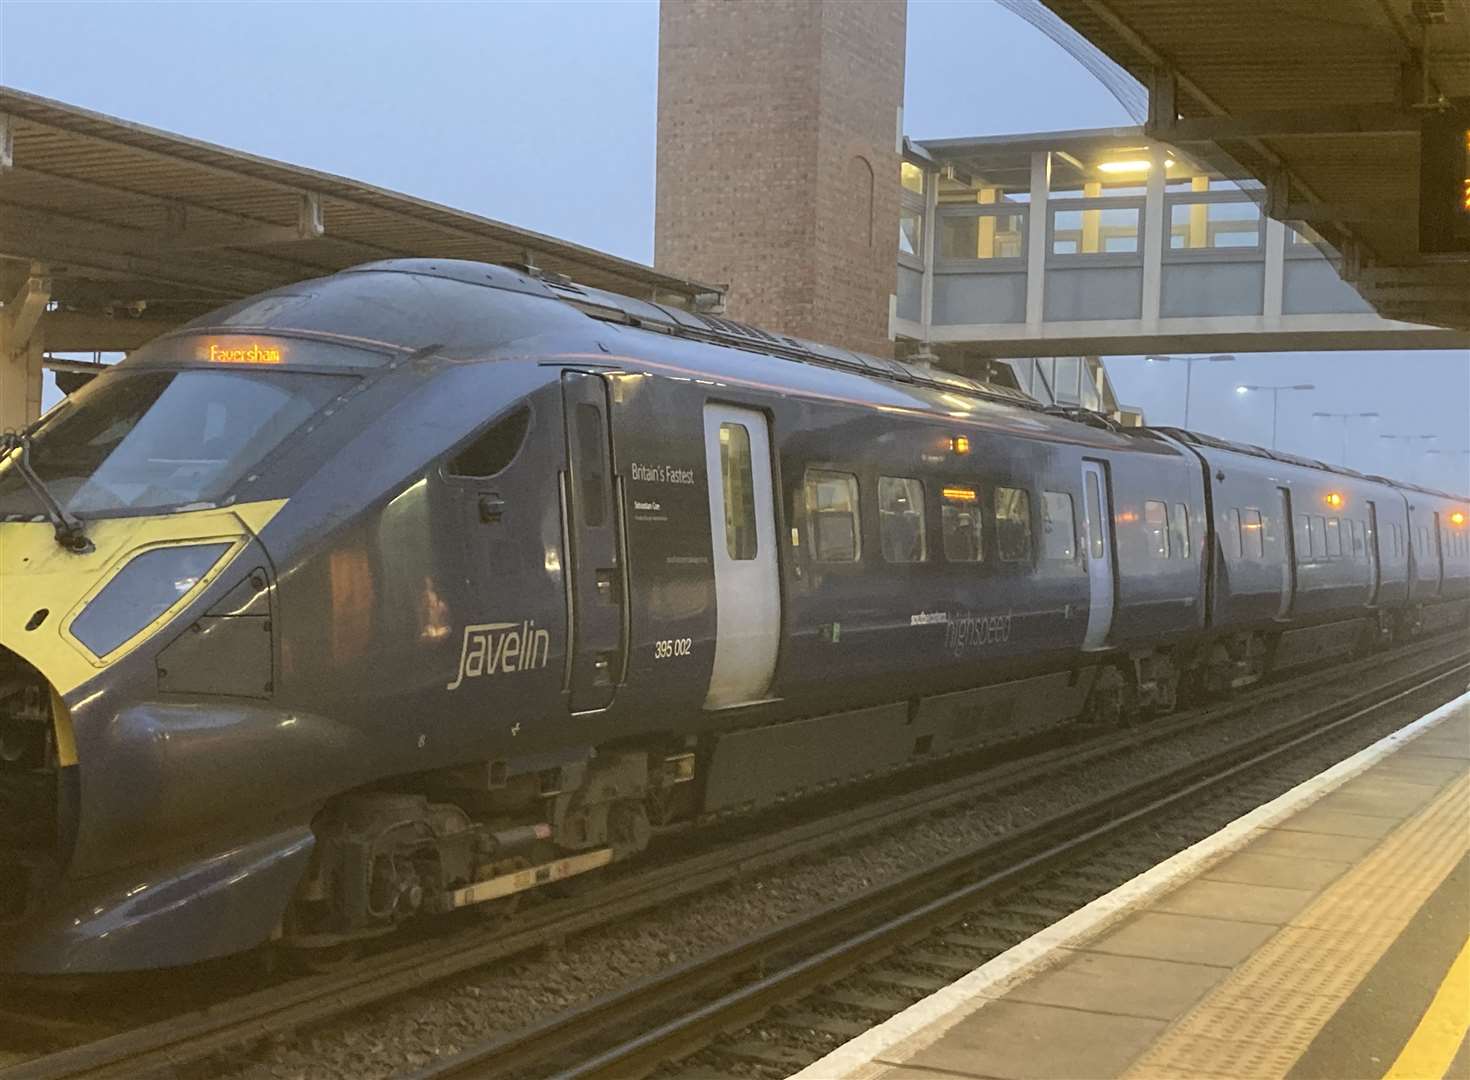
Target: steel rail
842, 937
279, 1009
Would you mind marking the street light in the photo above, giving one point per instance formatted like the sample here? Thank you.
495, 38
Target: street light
1450, 453
1409, 439
1189, 362
1276, 390
1346, 418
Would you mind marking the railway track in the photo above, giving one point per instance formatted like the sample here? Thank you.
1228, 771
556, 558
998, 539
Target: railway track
281, 1008
804, 963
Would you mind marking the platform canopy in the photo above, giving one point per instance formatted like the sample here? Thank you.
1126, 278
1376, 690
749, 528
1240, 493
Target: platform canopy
123, 230
1347, 111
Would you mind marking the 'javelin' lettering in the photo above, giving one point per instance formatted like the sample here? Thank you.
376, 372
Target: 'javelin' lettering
490, 648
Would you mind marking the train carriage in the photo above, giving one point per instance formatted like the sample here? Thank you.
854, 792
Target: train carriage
419, 585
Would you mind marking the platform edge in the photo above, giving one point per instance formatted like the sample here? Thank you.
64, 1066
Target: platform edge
941, 1010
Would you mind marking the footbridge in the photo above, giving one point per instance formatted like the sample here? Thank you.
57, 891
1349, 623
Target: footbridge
1114, 241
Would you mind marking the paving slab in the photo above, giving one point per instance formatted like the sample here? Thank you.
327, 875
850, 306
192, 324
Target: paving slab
1187, 939
1396, 801
1123, 985
1016, 1040
913, 1072
1285, 872
1234, 900
1306, 845
1427, 767
1324, 819
1456, 747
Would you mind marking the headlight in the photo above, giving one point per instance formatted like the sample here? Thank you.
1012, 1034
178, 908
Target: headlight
142, 591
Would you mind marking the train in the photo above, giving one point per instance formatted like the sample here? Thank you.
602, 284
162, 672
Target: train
429, 583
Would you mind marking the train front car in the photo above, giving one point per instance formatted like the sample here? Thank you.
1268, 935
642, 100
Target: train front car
227, 595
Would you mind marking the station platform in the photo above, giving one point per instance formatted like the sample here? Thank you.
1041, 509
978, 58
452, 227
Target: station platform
1325, 934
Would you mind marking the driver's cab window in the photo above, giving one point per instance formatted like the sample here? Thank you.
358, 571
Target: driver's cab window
489, 452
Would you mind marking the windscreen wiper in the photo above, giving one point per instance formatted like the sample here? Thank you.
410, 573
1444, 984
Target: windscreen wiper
70, 532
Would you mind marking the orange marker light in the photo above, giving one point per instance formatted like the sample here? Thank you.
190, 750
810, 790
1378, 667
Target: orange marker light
1457, 518
960, 494
1333, 499
960, 444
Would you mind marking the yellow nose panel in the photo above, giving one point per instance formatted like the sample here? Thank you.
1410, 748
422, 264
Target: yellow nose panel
37, 574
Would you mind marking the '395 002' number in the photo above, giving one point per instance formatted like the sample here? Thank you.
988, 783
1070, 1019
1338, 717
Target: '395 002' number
662, 650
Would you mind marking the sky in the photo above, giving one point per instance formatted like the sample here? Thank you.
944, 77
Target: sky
542, 114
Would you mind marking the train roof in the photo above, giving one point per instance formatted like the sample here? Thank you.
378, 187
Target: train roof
407, 316
1062, 422
1199, 438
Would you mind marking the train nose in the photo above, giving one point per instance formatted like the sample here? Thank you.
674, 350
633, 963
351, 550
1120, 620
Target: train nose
37, 770
71, 615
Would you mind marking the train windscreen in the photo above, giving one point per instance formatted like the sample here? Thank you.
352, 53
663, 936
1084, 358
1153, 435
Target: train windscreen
151, 439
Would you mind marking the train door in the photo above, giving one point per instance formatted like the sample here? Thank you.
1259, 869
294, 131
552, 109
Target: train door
1436, 555
596, 600
1373, 567
1097, 512
1288, 564
737, 448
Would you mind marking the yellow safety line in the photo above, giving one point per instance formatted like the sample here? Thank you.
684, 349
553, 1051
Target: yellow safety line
1431, 1049
1265, 1014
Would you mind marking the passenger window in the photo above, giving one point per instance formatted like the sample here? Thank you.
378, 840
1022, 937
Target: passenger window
1253, 535
1179, 532
832, 515
1156, 524
1303, 537
1095, 524
1058, 526
1012, 524
1334, 538
739, 483
959, 511
1360, 540
493, 449
1319, 538
901, 519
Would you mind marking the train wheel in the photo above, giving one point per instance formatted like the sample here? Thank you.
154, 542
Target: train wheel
1110, 703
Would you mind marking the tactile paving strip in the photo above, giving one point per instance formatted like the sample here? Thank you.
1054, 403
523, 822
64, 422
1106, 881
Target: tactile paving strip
1261, 1019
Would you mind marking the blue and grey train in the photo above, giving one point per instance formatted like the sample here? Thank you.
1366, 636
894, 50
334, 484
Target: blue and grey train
427, 583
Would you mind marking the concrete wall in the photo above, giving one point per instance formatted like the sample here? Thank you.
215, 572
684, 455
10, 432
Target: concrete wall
778, 160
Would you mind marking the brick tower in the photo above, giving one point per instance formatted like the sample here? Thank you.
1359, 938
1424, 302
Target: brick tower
778, 159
